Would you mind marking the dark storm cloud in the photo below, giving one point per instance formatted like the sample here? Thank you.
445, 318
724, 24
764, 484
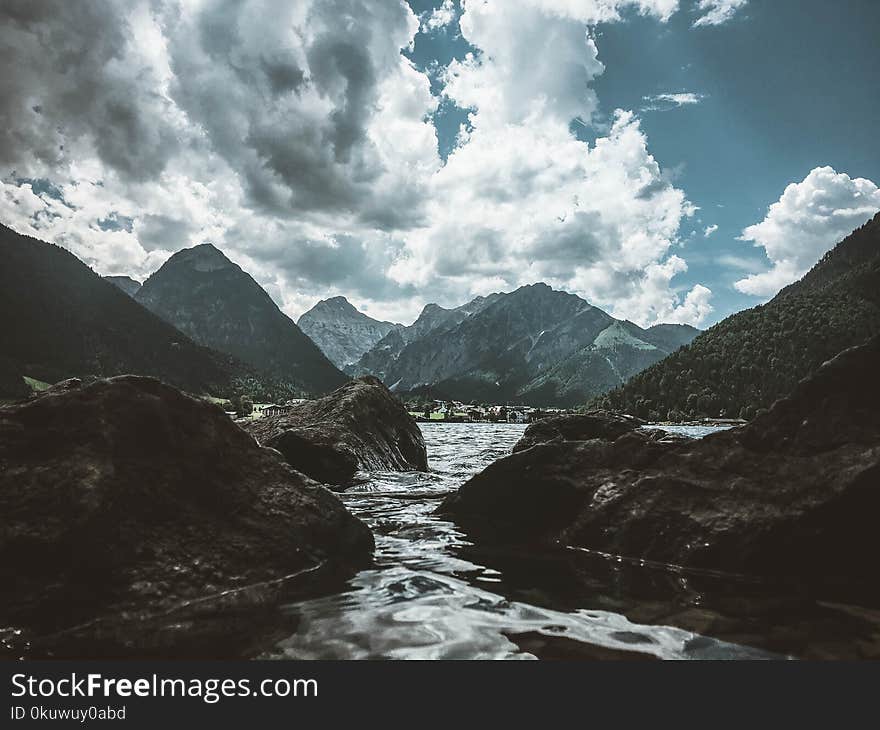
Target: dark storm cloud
340, 64
291, 114
284, 93
343, 262
67, 79
283, 75
163, 232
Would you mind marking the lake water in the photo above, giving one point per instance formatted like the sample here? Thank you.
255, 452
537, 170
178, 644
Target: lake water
434, 595
696, 432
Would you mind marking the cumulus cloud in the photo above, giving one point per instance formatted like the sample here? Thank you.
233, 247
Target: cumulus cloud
440, 17
717, 12
709, 230
298, 137
531, 65
523, 200
810, 218
269, 114
597, 220
695, 308
311, 103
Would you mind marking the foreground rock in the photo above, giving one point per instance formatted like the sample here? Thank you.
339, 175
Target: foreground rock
358, 426
794, 492
127, 498
577, 427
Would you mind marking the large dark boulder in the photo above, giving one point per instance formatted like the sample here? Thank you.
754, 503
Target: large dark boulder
360, 426
794, 492
127, 498
577, 427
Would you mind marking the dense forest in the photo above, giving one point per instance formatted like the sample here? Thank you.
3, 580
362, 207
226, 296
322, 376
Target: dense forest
754, 357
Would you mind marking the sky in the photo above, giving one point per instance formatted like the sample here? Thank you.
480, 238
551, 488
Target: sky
667, 160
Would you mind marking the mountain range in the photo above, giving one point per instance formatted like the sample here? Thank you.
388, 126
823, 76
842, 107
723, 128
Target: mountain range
212, 300
433, 318
534, 345
200, 322
751, 359
341, 331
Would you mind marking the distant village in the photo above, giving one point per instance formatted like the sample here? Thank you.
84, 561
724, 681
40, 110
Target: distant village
444, 411
458, 412
245, 409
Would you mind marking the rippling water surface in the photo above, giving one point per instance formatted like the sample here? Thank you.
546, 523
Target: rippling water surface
434, 595
693, 431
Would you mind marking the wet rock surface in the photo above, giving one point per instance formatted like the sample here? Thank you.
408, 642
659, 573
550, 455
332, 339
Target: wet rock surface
595, 424
360, 426
793, 492
127, 503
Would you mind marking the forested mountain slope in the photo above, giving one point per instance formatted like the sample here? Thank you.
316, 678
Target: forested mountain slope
59, 319
754, 357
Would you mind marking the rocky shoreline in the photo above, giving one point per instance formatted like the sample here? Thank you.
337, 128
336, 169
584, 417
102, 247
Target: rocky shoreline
790, 493
140, 521
131, 508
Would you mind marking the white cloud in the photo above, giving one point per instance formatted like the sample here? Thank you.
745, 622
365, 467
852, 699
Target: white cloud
709, 230
695, 308
810, 218
283, 121
441, 17
717, 12
523, 200
298, 138
317, 117
664, 102
534, 64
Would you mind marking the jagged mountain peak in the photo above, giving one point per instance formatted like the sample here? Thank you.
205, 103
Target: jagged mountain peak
430, 309
341, 330
338, 302
538, 289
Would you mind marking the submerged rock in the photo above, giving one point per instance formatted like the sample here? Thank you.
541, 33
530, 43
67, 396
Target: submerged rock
358, 426
794, 492
594, 424
126, 497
